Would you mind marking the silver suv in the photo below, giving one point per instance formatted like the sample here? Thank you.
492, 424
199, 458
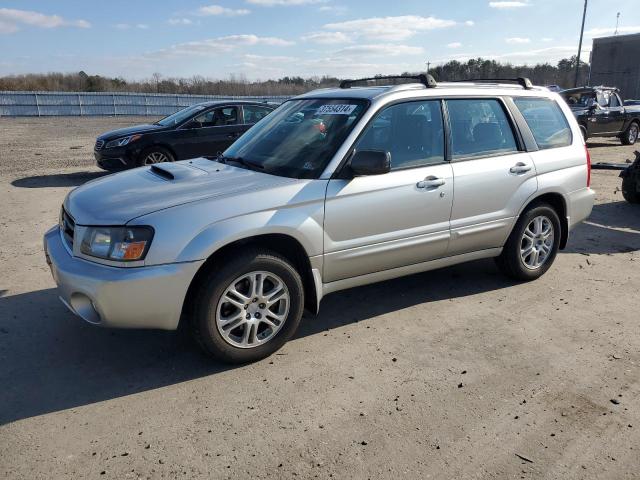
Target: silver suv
336, 188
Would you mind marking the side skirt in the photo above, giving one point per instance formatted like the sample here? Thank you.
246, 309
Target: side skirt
403, 271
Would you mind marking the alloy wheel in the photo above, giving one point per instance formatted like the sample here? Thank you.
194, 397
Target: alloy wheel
633, 133
536, 244
252, 309
155, 157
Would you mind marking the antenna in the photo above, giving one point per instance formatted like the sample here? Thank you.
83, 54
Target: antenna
617, 23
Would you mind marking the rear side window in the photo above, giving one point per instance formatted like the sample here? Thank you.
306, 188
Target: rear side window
546, 121
412, 132
479, 127
255, 113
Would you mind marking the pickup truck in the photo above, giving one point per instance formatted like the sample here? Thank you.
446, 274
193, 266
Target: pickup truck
601, 113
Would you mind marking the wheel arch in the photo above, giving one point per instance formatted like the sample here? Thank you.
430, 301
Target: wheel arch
559, 204
283, 244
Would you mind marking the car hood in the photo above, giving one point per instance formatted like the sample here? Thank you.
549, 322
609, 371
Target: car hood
123, 132
119, 198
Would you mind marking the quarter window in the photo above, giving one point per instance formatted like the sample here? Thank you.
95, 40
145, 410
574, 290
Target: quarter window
546, 122
412, 132
479, 127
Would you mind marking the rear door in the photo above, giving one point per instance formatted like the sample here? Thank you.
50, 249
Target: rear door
493, 174
219, 128
379, 222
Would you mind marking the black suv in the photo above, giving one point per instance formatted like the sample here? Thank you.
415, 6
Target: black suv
200, 130
601, 113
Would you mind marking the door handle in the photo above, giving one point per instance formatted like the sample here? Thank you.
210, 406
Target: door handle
233, 135
520, 168
431, 182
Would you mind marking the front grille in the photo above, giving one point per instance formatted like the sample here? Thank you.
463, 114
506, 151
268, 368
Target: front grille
99, 144
67, 227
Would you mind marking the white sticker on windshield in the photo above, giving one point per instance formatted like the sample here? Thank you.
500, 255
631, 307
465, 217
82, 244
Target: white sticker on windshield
336, 109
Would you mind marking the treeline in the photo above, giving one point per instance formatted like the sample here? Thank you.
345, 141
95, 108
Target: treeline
542, 74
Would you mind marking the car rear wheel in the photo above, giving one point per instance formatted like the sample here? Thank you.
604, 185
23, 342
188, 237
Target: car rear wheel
154, 155
532, 245
630, 190
248, 308
630, 136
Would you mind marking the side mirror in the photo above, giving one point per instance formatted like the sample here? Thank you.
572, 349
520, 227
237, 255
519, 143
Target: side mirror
371, 162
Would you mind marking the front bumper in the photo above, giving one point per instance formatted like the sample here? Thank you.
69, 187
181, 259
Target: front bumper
117, 158
136, 297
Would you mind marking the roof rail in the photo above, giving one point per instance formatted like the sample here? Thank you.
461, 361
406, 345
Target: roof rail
524, 82
425, 79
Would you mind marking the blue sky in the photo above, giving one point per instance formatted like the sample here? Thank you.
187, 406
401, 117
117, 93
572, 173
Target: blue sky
261, 39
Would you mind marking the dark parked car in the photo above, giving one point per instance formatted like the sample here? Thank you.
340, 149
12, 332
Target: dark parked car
601, 113
200, 130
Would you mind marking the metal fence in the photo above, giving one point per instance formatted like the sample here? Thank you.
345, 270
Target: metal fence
41, 104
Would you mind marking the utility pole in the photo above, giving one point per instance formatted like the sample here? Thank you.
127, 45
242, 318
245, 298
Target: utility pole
617, 23
428, 66
584, 16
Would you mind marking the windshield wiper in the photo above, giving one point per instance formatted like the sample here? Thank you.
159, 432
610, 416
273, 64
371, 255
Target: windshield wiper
241, 161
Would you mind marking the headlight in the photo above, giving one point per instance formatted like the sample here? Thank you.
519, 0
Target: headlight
120, 244
121, 142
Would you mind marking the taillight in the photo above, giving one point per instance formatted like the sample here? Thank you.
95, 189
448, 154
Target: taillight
588, 166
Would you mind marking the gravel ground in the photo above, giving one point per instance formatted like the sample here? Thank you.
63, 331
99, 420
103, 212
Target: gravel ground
457, 373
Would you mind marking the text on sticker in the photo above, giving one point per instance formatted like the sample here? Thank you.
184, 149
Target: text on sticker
336, 109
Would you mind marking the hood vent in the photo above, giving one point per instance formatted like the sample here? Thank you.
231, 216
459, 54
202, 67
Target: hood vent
177, 171
162, 172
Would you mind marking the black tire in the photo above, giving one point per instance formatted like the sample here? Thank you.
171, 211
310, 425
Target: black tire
213, 286
161, 152
510, 261
630, 136
630, 190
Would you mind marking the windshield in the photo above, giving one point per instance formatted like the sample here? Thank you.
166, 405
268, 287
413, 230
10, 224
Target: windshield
180, 116
299, 138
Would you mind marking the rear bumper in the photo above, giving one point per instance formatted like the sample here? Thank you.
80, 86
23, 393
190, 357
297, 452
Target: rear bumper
579, 206
141, 297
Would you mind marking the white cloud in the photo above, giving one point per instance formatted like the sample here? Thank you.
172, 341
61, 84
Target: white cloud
469, 23
390, 28
454, 45
11, 20
358, 51
180, 21
598, 32
335, 9
517, 40
547, 39
126, 26
223, 11
327, 38
504, 5
217, 46
283, 3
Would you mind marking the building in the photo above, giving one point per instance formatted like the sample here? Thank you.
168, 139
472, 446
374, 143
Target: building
615, 62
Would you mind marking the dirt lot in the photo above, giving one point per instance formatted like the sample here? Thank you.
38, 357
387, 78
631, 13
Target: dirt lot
458, 373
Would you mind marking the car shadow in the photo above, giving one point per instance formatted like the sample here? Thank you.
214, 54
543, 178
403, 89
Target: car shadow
612, 228
57, 180
52, 361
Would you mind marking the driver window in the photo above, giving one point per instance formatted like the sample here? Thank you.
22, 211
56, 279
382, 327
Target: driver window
412, 132
217, 117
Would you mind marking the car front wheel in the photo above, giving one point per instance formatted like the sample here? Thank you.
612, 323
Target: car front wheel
249, 307
154, 155
532, 245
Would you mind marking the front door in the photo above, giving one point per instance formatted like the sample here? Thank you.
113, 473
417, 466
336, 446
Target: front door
379, 222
